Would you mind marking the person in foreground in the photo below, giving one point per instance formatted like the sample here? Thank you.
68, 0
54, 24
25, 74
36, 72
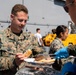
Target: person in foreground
70, 8
14, 42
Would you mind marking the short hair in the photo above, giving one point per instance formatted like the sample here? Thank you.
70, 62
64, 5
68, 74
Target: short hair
37, 29
18, 8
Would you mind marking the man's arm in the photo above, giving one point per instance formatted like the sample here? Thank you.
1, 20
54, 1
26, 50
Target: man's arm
41, 42
7, 62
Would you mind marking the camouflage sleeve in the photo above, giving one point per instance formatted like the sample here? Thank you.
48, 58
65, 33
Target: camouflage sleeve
7, 62
55, 45
72, 50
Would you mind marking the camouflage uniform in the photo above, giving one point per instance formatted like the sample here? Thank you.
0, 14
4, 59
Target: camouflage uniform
72, 51
56, 45
11, 42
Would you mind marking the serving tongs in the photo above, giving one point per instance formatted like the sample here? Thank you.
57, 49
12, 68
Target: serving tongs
72, 57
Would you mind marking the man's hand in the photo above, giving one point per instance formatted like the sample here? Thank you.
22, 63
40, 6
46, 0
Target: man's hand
19, 58
62, 53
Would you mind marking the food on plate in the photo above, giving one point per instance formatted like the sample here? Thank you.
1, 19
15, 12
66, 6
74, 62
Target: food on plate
46, 61
42, 59
27, 53
39, 57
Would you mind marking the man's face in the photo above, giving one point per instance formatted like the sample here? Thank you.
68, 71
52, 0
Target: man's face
18, 21
72, 9
38, 31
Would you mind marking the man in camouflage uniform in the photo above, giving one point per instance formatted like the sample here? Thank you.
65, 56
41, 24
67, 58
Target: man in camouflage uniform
14, 42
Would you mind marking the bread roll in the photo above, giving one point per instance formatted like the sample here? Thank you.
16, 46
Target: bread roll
27, 53
46, 61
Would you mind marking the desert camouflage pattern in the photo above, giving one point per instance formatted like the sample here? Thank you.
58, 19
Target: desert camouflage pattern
10, 42
72, 51
56, 45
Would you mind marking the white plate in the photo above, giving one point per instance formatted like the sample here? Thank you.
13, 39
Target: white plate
29, 59
33, 62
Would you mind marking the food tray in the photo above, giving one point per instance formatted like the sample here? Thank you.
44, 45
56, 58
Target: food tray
32, 61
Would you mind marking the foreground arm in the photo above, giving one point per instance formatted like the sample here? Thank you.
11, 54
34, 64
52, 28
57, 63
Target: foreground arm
66, 51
